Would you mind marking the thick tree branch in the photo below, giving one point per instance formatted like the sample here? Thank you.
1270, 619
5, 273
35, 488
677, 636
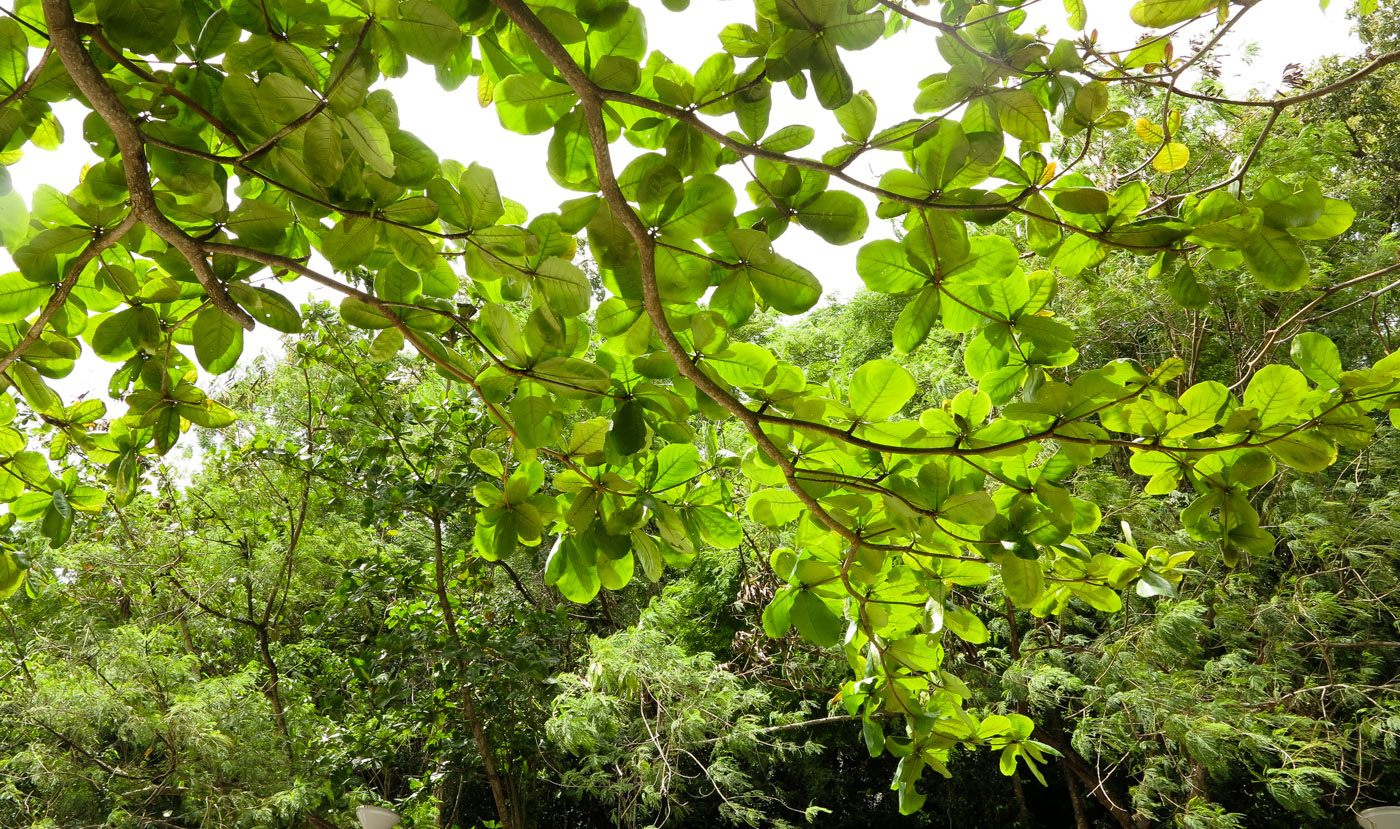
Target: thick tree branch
66, 37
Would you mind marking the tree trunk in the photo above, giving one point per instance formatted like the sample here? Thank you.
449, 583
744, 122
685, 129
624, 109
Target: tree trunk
1076, 799
273, 688
1199, 781
488, 759
1023, 810
1087, 775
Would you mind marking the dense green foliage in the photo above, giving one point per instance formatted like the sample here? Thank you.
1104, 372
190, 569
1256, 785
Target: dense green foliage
1095, 480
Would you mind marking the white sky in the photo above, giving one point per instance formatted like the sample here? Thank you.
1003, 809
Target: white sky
1285, 31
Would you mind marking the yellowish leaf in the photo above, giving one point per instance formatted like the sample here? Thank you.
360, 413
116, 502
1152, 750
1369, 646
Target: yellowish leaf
1147, 130
1171, 158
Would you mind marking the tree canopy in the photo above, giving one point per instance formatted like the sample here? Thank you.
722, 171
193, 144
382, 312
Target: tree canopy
608, 391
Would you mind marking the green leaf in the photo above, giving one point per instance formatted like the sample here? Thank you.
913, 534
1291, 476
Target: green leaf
814, 620
1078, 14
424, 31
916, 320
145, 26
1086, 201
14, 55
361, 314
1205, 404
1276, 260
267, 307
1021, 115
1022, 580
1220, 219
321, 150
1159, 14
564, 286
836, 216
531, 104
208, 414
218, 340
370, 140
1308, 451
1337, 216
120, 335
879, 389
786, 286
387, 344
1186, 290
706, 207
1153, 584
571, 377
1287, 206
830, 79
398, 284
629, 430
883, 266
574, 572
570, 159
1318, 358
788, 139
535, 421
989, 259
775, 507
19, 297
676, 464
11, 574
1275, 391
347, 245
857, 117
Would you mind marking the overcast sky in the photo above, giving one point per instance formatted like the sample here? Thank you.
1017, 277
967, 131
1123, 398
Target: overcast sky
1282, 32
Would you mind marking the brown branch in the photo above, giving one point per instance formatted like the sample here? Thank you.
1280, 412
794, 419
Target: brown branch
488, 757
66, 37
1271, 338
102, 240
793, 726
146, 75
30, 79
1365, 643
591, 99
305, 119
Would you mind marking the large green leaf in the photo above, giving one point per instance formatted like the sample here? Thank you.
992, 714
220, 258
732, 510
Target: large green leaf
1275, 391
531, 104
218, 340
1318, 358
1276, 260
424, 30
11, 574
1158, 14
676, 464
145, 26
370, 140
1021, 115
879, 389
884, 267
19, 297
836, 216
814, 620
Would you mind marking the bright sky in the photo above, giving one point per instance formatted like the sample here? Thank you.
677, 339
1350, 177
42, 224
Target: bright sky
1285, 31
